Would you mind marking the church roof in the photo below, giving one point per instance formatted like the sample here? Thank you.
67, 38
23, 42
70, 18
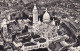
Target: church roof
46, 16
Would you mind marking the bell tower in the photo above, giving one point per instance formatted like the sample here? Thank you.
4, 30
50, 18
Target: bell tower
35, 15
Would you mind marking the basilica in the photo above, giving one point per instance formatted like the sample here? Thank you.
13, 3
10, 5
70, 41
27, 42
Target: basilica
43, 31
40, 34
46, 28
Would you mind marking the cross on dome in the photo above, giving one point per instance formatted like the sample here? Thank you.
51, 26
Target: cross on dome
46, 10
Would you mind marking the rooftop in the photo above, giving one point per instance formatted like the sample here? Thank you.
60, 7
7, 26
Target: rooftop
41, 40
30, 44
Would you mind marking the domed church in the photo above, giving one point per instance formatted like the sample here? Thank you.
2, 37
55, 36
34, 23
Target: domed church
46, 16
47, 28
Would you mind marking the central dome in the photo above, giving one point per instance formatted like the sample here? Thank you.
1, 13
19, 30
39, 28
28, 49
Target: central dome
46, 16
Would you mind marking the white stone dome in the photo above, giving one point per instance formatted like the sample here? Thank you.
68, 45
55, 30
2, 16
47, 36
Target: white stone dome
46, 17
4, 21
39, 22
53, 22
